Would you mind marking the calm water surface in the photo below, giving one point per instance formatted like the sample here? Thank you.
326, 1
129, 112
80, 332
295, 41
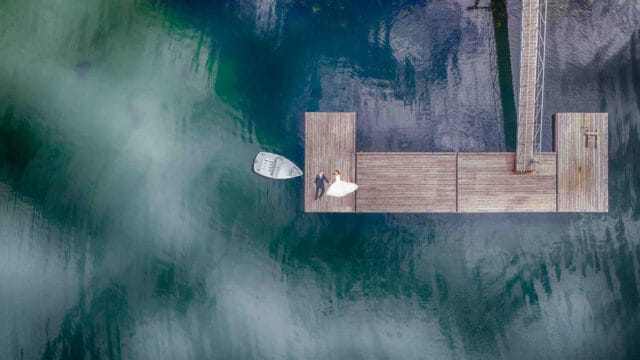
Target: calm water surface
131, 226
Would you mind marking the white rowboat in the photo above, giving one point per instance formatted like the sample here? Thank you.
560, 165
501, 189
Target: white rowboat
275, 166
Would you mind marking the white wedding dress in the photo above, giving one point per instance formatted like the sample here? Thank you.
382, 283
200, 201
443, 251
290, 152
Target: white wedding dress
341, 188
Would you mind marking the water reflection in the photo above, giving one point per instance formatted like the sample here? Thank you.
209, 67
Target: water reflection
130, 225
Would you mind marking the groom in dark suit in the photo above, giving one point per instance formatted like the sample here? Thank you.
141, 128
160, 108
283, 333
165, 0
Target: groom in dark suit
320, 180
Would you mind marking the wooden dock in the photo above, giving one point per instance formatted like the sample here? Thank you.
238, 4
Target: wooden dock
572, 179
406, 182
329, 144
487, 183
528, 81
583, 166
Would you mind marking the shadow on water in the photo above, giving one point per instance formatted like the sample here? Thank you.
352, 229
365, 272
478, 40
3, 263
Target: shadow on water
19, 143
501, 33
27, 156
85, 327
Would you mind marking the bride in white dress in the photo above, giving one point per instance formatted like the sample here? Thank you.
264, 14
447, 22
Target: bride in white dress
339, 188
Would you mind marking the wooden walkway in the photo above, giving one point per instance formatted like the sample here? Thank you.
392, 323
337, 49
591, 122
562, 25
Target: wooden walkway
406, 182
582, 146
329, 144
487, 183
527, 91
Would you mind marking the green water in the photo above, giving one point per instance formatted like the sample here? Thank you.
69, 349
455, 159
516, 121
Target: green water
131, 225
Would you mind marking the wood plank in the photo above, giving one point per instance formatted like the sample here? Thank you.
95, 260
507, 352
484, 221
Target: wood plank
582, 170
329, 145
406, 182
487, 183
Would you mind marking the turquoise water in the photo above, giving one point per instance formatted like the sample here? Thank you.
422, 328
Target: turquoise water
132, 227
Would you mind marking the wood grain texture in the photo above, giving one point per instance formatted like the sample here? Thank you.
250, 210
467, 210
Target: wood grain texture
575, 179
527, 91
487, 183
330, 144
582, 170
406, 182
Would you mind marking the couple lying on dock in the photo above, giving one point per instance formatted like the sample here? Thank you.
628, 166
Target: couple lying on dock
338, 188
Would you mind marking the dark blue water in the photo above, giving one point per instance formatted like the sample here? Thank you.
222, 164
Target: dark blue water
132, 227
